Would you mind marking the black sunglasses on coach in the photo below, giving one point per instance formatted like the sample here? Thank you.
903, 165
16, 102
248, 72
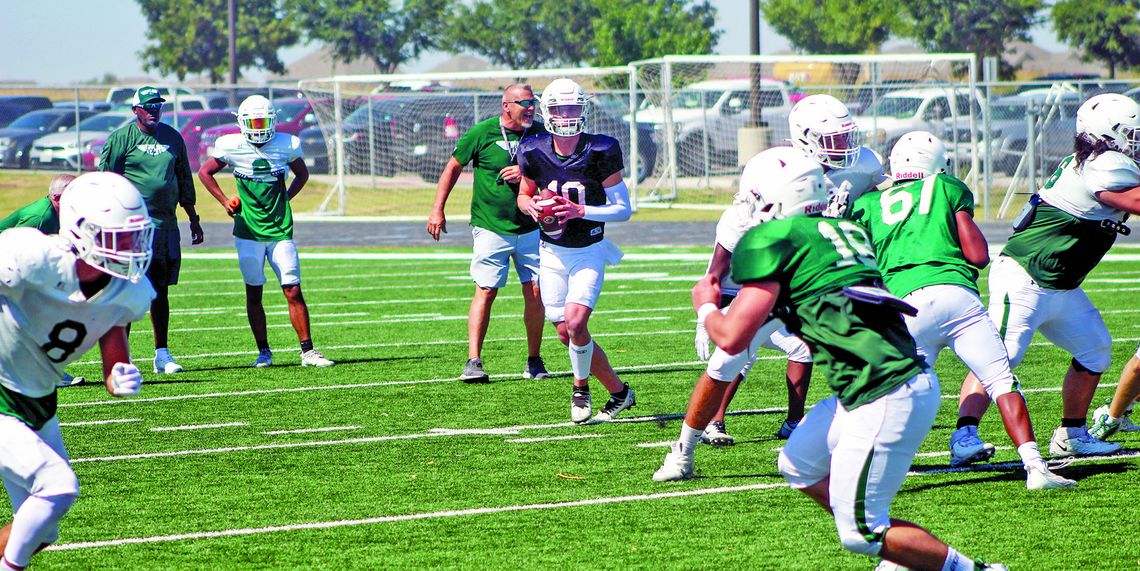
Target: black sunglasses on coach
525, 102
151, 108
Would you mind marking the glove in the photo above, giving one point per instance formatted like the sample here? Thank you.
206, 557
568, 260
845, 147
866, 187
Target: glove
837, 201
126, 380
702, 342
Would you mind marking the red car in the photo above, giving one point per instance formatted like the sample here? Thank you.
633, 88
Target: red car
293, 116
190, 123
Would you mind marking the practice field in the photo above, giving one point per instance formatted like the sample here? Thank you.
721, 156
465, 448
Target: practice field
387, 461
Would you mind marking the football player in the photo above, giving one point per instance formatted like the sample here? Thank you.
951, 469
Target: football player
583, 170
1060, 236
929, 251
263, 220
60, 295
1115, 416
852, 450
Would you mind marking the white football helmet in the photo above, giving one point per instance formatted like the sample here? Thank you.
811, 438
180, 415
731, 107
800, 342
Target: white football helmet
780, 182
106, 221
1114, 119
822, 129
564, 109
918, 154
257, 119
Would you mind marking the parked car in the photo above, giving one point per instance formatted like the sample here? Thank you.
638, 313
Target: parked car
13, 106
708, 114
191, 125
923, 109
16, 139
96, 106
1005, 142
293, 116
120, 95
63, 150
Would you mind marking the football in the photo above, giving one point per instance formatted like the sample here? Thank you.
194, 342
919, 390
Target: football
235, 203
552, 224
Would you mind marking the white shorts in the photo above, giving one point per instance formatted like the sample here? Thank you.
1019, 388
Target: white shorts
953, 316
573, 275
492, 255
282, 256
772, 335
867, 453
34, 463
1019, 307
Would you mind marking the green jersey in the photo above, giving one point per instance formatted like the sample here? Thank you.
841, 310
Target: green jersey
494, 202
157, 166
265, 214
915, 233
1068, 237
864, 349
40, 215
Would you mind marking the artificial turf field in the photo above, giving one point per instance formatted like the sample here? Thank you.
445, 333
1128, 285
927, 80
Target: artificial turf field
387, 461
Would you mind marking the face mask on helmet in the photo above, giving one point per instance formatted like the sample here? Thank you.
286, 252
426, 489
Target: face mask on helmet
564, 108
778, 183
917, 155
257, 119
822, 129
1113, 119
106, 221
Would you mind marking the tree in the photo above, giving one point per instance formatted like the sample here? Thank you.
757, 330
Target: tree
983, 27
388, 33
630, 30
524, 34
1104, 30
833, 26
191, 36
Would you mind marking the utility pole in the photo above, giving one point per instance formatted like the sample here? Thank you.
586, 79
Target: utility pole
753, 137
232, 18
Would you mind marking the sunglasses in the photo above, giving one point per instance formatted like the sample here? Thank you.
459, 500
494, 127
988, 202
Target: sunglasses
525, 102
151, 108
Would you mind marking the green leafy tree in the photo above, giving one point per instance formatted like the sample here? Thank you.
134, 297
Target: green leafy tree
833, 26
388, 33
630, 30
524, 34
1104, 30
191, 36
982, 27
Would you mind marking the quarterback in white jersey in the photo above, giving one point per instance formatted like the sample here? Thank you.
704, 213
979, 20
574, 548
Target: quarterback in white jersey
263, 219
59, 295
1059, 238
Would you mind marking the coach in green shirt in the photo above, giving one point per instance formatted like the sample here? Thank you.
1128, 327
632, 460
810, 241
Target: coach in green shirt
42, 214
152, 155
501, 232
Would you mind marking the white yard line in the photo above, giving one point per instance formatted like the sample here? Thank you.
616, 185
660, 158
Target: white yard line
101, 422
553, 438
658, 318
312, 430
197, 426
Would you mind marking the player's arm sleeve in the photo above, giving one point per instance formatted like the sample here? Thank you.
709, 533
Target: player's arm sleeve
616, 208
186, 196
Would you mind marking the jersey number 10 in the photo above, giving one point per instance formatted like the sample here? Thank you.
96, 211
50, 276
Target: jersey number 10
571, 190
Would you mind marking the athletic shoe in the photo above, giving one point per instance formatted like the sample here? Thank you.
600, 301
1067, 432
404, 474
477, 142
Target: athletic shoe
966, 447
1078, 442
164, 363
1102, 427
314, 358
580, 405
885, 565
264, 359
69, 381
677, 466
615, 405
1040, 478
716, 435
473, 372
535, 369
786, 429
992, 567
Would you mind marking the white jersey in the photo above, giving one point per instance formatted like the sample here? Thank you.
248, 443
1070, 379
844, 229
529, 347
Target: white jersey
733, 225
864, 175
45, 320
1074, 192
263, 163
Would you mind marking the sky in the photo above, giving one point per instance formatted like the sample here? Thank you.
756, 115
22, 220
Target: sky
79, 40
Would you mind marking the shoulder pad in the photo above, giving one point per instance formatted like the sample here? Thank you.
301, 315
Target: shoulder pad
29, 257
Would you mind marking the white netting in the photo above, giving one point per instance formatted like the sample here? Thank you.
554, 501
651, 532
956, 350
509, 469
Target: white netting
397, 131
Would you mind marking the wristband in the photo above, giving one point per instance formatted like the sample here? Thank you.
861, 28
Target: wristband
703, 312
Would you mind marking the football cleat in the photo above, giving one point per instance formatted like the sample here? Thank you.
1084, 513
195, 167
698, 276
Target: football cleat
885, 565
615, 405
69, 381
715, 435
1078, 442
264, 359
1103, 426
473, 372
786, 429
1040, 478
580, 405
678, 465
966, 447
164, 363
314, 358
535, 369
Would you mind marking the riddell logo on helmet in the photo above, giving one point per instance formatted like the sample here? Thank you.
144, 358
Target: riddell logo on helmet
815, 208
906, 175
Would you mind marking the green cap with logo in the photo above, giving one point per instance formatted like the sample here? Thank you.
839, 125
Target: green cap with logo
148, 94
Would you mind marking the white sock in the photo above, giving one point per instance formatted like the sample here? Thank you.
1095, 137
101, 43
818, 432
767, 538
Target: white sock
580, 357
1030, 455
957, 562
31, 524
690, 438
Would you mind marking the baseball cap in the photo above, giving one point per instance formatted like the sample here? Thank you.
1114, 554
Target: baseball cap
148, 94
